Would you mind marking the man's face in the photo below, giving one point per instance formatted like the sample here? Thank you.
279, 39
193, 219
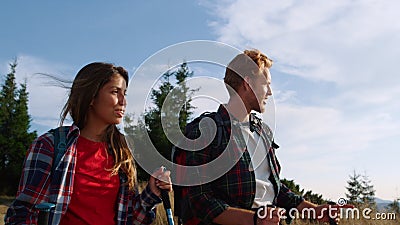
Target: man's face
261, 87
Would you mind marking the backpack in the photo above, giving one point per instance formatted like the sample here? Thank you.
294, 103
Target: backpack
217, 141
60, 146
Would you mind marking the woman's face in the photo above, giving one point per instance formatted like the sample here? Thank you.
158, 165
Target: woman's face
108, 107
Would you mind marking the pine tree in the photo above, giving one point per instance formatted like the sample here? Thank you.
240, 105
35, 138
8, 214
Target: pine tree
15, 137
308, 195
135, 136
8, 97
360, 190
173, 86
153, 116
314, 198
295, 188
184, 95
354, 189
179, 101
367, 192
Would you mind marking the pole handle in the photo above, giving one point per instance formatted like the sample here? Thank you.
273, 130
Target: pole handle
44, 212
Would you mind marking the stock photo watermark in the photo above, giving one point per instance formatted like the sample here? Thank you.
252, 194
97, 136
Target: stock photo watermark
332, 211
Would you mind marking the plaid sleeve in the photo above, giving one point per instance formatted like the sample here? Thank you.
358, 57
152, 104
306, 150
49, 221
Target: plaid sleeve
144, 211
149, 199
287, 199
203, 203
202, 200
33, 186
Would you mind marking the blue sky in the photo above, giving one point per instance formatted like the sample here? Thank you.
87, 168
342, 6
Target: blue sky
335, 78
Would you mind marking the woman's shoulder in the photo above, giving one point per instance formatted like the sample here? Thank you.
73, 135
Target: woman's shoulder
63, 132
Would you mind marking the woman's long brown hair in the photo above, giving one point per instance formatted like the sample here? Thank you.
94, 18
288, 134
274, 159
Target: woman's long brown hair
85, 87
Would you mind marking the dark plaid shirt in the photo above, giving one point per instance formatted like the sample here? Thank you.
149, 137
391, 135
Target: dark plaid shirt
200, 204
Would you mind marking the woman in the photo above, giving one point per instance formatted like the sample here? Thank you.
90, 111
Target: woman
95, 181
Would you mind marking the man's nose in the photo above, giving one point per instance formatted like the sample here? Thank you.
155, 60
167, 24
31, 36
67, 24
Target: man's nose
269, 91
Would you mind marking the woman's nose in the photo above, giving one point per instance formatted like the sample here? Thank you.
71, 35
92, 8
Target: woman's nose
122, 99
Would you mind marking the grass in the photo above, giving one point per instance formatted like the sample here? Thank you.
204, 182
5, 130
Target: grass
5, 201
161, 218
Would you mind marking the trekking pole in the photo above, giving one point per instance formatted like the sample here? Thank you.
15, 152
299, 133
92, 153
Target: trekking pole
44, 212
167, 205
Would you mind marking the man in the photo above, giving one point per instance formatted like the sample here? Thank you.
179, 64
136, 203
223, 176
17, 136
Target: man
252, 180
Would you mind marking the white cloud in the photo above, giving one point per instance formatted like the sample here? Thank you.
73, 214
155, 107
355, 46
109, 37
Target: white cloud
284, 95
316, 40
322, 145
330, 130
45, 100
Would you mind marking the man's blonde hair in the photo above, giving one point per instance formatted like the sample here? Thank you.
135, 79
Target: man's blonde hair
250, 63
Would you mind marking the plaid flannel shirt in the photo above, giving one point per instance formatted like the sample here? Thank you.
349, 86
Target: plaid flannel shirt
38, 185
200, 204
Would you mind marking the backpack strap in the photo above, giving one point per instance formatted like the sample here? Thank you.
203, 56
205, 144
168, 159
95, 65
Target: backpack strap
221, 131
60, 146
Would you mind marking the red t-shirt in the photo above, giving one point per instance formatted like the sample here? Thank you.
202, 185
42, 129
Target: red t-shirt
94, 197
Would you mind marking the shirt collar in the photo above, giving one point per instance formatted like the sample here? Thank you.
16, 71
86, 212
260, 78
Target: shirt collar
255, 122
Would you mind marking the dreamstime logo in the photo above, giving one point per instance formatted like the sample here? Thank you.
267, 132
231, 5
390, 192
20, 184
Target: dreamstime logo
340, 210
341, 201
145, 80
366, 213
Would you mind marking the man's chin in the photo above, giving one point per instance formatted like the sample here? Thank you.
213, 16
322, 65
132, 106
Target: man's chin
260, 110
